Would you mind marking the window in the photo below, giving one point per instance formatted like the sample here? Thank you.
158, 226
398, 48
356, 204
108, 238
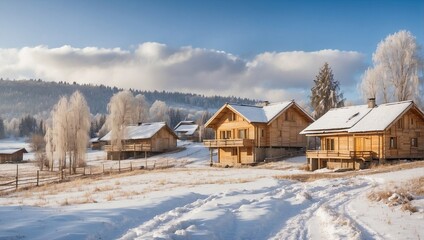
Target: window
225, 134
233, 151
414, 142
232, 117
281, 133
393, 142
249, 151
288, 116
329, 144
412, 121
262, 132
400, 123
242, 133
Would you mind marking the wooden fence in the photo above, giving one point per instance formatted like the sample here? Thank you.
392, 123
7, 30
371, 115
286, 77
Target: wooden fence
27, 180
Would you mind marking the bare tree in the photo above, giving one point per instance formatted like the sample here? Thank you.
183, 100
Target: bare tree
159, 112
142, 108
60, 130
38, 144
396, 69
79, 126
50, 147
122, 112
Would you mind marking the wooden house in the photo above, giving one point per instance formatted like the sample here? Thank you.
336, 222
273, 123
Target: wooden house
12, 155
187, 130
352, 137
246, 134
147, 138
96, 143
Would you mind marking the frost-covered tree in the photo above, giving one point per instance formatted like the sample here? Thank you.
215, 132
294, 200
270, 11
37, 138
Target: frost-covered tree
60, 123
142, 108
325, 94
122, 112
396, 71
159, 112
50, 147
79, 126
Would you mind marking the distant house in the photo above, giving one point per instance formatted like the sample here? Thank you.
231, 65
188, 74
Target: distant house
96, 143
247, 134
352, 137
142, 140
187, 130
12, 155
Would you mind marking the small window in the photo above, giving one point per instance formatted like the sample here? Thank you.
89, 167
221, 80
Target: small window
412, 121
242, 133
329, 144
249, 151
232, 117
393, 142
225, 134
414, 142
262, 132
233, 151
400, 124
281, 133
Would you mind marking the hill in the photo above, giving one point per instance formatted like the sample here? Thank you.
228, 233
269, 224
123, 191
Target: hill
21, 97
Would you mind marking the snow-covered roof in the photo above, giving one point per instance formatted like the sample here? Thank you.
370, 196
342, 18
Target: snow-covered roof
187, 129
358, 118
11, 150
143, 131
258, 114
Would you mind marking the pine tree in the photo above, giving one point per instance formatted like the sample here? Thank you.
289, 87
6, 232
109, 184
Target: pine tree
326, 92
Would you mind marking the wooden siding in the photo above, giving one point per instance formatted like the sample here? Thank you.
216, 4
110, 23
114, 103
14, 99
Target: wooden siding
241, 142
373, 145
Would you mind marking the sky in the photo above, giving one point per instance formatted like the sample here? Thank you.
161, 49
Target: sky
267, 50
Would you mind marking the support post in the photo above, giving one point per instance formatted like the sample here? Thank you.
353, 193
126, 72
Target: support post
17, 174
38, 177
211, 152
131, 166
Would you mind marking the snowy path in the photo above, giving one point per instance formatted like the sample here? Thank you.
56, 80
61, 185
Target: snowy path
199, 202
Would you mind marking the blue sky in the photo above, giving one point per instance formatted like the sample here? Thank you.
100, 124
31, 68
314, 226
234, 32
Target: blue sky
246, 30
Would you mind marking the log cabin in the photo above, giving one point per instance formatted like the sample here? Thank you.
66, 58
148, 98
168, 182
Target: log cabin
354, 137
142, 140
247, 134
12, 155
187, 130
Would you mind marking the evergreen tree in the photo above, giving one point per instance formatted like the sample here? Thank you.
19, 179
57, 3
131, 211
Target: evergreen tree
326, 92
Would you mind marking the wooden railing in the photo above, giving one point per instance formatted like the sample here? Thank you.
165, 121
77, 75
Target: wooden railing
213, 143
341, 155
129, 148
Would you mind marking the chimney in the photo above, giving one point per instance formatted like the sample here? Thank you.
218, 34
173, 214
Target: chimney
371, 102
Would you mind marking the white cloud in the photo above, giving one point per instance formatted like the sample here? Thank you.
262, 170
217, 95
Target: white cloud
153, 66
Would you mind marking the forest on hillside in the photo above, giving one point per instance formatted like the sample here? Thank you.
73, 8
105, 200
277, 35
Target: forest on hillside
36, 97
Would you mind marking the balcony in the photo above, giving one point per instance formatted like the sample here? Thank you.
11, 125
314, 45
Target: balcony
216, 143
129, 148
364, 155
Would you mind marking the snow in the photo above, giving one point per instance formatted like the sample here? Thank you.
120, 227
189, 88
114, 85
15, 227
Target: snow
187, 129
194, 201
340, 119
260, 114
358, 118
144, 131
381, 117
9, 150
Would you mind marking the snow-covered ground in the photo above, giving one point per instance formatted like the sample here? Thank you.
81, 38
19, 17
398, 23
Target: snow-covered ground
194, 201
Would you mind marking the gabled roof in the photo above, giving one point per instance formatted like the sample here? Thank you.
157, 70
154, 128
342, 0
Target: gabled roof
12, 150
258, 114
187, 129
355, 119
143, 131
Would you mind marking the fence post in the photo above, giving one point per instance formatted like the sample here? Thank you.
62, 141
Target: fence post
131, 166
103, 168
38, 177
84, 171
119, 168
90, 170
17, 174
61, 174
